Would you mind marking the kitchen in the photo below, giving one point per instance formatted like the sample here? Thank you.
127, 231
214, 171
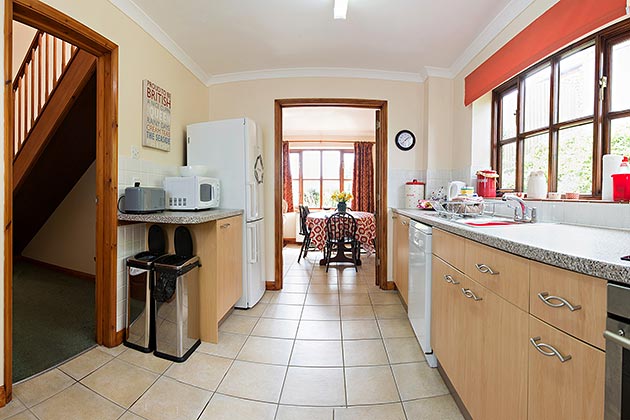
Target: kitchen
453, 140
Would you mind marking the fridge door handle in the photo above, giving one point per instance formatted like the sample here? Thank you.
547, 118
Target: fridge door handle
259, 169
253, 246
252, 211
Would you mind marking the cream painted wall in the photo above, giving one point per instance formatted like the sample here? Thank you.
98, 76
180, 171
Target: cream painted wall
439, 123
68, 238
2, 217
255, 99
22, 37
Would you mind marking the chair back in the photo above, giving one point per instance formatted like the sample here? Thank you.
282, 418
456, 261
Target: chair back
341, 227
304, 211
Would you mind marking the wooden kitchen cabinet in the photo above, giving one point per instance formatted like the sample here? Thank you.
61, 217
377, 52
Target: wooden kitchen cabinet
573, 389
449, 247
230, 260
401, 255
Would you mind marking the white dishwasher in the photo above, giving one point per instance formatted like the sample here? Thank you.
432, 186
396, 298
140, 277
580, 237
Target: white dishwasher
419, 305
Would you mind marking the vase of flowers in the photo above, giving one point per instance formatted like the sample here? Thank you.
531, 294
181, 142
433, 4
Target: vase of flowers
342, 199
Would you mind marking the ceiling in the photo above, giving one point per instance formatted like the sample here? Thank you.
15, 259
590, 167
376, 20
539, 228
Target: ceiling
328, 123
226, 37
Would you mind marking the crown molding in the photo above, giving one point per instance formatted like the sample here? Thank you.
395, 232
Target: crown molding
442, 72
143, 20
510, 12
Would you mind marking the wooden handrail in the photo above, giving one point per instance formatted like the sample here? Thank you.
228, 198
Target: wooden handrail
37, 79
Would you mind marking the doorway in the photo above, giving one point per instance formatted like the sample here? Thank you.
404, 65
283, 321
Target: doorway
43, 17
380, 137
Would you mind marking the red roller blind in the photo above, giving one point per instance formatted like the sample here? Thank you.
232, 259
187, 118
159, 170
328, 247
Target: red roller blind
565, 22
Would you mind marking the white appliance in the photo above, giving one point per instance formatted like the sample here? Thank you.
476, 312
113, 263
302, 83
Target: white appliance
232, 151
192, 192
419, 307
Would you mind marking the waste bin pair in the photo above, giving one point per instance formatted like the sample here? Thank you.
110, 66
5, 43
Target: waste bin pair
163, 297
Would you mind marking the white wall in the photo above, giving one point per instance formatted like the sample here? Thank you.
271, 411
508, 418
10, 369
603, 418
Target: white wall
68, 238
22, 37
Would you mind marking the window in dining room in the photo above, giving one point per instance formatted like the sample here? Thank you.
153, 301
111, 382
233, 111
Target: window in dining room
317, 173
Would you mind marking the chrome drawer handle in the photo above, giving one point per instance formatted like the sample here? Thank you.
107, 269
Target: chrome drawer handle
551, 351
449, 279
471, 295
404, 223
486, 270
225, 226
544, 296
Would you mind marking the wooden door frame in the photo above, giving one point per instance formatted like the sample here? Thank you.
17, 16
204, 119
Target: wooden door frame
380, 181
41, 16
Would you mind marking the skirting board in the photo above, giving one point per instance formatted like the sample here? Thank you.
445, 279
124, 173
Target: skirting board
64, 270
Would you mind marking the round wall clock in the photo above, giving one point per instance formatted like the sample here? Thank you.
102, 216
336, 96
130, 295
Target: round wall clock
405, 140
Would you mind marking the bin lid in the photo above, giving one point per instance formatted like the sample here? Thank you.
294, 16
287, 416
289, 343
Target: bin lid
176, 263
183, 242
157, 240
144, 259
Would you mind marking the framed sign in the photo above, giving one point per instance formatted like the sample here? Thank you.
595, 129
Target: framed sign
156, 116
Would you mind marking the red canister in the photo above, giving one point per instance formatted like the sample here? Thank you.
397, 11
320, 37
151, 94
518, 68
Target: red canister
621, 182
487, 183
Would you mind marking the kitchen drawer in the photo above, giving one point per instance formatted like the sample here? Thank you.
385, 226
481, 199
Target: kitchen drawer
565, 290
449, 247
573, 389
505, 274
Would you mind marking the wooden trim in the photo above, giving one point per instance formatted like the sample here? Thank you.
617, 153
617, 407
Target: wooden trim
120, 336
58, 268
380, 175
41, 16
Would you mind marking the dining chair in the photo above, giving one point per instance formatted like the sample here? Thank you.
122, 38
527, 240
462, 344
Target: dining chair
341, 230
304, 231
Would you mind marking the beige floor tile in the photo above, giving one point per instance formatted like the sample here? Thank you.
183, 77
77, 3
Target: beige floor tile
370, 385
390, 311
357, 312
385, 411
319, 330
130, 416
86, 363
283, 312
364, 353
276, 328
354, 299
120, 382
294, 288
395, 328
323, 288
320, 313
24, 415
253, 381
322, 299
418, 380
314, 387
77, 403
44, 386
385, 298
11, 409
290, 298
238, 324
358, 288
354, 330
324, 280
168, 399
403, 350
287, 412
443, 408
268, 296
300, 280
228, 346
223, 407
113, 351
145, 360
201, 370
255, 312
276, 351
317, 354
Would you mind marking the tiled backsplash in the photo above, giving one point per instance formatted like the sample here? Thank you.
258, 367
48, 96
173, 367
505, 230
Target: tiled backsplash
150, 174
396, 180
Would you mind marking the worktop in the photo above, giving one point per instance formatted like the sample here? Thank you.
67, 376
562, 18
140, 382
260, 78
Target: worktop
180, 217
593, 251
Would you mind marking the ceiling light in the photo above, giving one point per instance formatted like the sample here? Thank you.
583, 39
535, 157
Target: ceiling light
340, 9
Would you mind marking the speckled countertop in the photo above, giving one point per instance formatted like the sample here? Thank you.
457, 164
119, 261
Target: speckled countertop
593, 251
180, 217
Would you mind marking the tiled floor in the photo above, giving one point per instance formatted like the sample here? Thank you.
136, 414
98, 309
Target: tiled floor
329, 346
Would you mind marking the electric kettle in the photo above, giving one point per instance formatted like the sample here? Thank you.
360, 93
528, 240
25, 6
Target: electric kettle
454, 189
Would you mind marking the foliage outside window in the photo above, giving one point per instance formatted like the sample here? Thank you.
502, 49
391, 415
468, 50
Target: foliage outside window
318, 173
562, 115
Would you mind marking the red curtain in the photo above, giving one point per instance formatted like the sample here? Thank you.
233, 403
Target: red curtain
565, 22
287, 180
363, 178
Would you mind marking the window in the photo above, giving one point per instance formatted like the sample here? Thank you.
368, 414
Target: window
317, 173
563, 114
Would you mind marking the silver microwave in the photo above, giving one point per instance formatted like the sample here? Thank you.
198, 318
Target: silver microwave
192, 192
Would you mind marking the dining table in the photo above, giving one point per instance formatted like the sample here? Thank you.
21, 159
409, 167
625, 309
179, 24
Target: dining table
366, 233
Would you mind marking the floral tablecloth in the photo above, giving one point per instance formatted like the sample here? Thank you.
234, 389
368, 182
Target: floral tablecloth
366, 228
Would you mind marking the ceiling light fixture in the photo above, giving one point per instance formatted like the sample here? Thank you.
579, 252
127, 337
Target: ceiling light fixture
340, 9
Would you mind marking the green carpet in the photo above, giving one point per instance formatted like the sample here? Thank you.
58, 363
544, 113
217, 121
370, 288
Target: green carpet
53, 318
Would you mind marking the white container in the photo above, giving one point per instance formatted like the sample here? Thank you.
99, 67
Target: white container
537, 185
414, 192
454, 189
610, 166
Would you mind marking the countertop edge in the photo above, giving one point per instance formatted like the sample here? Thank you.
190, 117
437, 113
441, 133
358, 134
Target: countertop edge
583, 265
181, 217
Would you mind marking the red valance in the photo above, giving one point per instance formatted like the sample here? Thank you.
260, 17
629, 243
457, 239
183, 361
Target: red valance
565, 22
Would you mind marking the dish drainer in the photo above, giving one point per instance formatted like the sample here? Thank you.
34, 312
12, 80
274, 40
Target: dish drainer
463, 208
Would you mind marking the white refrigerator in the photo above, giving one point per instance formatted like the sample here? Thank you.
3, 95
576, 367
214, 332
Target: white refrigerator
232, 151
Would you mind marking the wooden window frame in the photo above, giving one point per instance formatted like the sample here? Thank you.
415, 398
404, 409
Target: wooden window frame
601, 117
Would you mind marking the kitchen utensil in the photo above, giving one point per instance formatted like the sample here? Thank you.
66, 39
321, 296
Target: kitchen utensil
610, 165
414, 193
554, 196
487, 183
537, 185
572, 195
454, 189
139, 200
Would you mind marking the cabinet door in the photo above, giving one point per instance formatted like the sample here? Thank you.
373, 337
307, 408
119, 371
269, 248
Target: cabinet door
573, 389
401, 256
230, 263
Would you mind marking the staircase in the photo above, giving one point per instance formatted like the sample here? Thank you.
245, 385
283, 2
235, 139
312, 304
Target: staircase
55, 130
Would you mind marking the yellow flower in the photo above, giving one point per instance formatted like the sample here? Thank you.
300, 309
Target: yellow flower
341, 197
